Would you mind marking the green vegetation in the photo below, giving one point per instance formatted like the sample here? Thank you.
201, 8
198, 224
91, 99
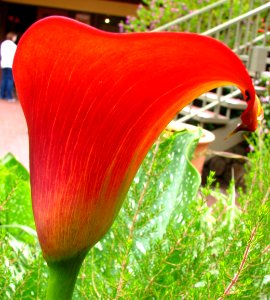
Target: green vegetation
166, 242
154, 13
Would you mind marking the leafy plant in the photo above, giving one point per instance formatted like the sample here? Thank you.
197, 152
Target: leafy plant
264, 82
25, 257
154, 13
165, 244
19, 250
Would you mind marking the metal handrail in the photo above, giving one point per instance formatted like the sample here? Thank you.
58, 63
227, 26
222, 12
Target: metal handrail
216, 31
189, 16
256, 40
223, 27
208, 106
201, 109
236, 20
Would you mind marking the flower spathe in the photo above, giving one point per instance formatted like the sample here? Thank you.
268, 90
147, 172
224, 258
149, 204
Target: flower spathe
94, 103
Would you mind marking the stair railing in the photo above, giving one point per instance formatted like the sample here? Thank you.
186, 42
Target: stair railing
245, 31
240, 34
198, 16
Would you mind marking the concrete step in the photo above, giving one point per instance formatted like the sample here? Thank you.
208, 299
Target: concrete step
228, 101
206, 116
234, 103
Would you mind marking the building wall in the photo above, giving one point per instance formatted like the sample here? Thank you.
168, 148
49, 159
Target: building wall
17, 16
113, 8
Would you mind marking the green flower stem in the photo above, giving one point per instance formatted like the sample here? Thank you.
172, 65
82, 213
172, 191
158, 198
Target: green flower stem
62, 277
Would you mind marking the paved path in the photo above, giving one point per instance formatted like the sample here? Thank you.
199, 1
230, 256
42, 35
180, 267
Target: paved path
13, 132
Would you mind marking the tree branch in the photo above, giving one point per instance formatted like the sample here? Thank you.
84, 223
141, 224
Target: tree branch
245, 256
134, 220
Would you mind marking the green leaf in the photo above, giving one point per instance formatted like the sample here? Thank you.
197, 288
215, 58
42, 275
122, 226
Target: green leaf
157, 203
24, 228
176, 182
14, 166
15, 197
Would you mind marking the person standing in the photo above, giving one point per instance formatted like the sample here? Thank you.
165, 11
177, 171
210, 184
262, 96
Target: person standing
7, 52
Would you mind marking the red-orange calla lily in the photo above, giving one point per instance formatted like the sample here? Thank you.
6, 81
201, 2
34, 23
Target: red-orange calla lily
94, 103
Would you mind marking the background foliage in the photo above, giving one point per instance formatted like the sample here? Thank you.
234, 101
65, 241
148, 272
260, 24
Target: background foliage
166, 242
154, 13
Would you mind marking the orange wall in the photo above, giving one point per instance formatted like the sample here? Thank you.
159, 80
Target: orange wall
94, 6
